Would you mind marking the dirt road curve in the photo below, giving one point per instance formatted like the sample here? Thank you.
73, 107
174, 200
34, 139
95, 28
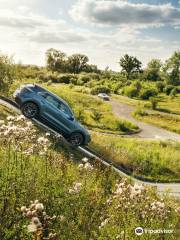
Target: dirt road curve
124, 111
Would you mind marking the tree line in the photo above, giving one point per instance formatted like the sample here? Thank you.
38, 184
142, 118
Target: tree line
131, 67
58, 62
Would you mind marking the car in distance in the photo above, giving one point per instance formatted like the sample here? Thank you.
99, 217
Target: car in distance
37, 102
104, 96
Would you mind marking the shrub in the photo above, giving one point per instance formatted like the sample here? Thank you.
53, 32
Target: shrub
173, 92
160, 86
139, 112
96, 116
7, 73
154, 103
145, 94
100, 89
168, 89
137, 84
84, 79
125, 126
131, 91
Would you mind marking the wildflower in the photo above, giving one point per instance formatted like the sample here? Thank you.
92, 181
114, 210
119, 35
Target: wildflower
104, 223
10, 118
62, 218
20, 118
81, 166
1, 122
48, 134
85, 160
32, 228
39, 207
88, 166
42, 140
29, 124
23, 209
76, 188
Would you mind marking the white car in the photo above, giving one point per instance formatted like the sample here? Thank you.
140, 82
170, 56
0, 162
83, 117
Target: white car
104, 96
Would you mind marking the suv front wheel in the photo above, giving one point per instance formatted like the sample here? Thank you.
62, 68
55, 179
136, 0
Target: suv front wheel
76, 139
30, 110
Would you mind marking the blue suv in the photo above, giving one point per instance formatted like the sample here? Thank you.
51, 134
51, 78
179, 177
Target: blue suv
37, 102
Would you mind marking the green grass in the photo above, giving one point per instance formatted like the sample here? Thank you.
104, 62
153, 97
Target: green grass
87, 213
4, 112
153, 160
168, 122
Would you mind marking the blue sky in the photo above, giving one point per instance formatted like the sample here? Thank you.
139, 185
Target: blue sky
103, 29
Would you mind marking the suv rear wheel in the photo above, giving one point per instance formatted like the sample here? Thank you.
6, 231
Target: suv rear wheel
76, 139
30, 110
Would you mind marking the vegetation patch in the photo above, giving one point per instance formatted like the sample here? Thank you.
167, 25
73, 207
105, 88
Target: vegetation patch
154, 160
168, 122
47, 195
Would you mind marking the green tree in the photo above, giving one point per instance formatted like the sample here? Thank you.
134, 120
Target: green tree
172, 69
7, 72
152, 72
77, 63
130, 65
56, 60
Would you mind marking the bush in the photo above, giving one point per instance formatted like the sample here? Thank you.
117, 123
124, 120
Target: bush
160, 86
100, 89
168, 89
7, 73
125, 126
139, 112
154, 103
145, 94
173, 92
131, 91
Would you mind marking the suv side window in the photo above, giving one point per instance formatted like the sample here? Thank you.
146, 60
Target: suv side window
62, 107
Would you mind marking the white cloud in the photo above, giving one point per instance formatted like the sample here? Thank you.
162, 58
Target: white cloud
124, 13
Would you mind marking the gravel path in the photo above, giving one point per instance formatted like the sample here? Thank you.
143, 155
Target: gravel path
124, 111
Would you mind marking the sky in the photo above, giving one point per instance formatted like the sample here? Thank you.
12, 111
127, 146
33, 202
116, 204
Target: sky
104, 30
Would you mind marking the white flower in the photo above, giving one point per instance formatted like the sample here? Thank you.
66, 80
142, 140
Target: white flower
88, 166
81, 166
10, 118
23, 209
20, 118
42, 140
1, 122
62, 218
29, 124
76, 188
104, 223
32, 228
85, 160
48, 134
39, 207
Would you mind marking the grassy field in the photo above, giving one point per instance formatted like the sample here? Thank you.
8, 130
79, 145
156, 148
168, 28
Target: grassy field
154, 160
169, 122
80, 196
165, 103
